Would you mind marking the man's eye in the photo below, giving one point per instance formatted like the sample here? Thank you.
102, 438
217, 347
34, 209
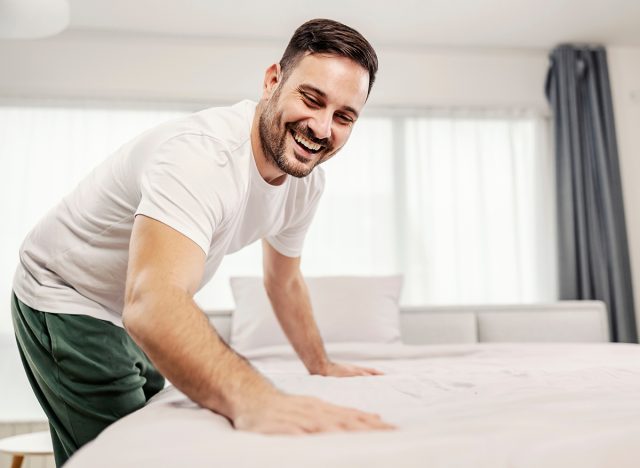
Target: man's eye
345, 118
311, 101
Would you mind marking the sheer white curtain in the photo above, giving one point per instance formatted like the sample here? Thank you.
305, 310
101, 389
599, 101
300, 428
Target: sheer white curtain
44, 152
479, 225
461, 204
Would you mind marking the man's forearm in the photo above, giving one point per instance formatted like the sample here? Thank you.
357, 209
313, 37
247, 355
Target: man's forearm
185, 348
292, 307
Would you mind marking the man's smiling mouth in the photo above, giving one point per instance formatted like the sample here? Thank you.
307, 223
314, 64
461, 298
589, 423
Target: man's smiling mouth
305, 143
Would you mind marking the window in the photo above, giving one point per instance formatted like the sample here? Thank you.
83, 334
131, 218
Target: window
461, 203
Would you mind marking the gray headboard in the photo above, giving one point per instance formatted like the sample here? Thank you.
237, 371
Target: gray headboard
564, 321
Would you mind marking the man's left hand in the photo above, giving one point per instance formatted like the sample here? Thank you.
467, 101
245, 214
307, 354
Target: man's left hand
336, 369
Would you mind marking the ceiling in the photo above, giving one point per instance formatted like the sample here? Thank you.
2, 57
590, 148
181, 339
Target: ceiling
465, 23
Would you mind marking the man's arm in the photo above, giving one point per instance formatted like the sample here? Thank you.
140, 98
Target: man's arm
289, 298
164, 271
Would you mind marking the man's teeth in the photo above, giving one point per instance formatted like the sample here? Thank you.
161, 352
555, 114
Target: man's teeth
308, 144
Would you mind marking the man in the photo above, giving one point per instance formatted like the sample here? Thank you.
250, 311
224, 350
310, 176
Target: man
131, 245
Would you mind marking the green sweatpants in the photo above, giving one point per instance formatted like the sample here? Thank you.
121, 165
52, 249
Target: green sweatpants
85, 372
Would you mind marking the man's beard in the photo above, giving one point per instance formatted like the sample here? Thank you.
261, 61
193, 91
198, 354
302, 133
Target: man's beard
274, 141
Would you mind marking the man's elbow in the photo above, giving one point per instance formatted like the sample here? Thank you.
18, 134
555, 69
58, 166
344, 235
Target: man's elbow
137, 310
133, 317
283, 286
149, 310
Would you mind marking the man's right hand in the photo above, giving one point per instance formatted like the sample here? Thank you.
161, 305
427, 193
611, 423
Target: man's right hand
278, 413
164, 271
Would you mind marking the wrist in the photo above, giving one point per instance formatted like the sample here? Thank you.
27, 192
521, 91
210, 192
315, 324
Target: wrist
320, 367
240, 403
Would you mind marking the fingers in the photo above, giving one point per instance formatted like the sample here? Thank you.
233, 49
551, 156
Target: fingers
371, 371
348, 370
353, 419
375, 421
327, 417
346, 423
362, 372
365, 422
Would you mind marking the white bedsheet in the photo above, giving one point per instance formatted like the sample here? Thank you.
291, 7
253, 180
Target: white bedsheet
481, 405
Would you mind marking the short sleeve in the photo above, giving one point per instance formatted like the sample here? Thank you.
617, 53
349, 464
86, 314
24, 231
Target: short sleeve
181, 186
290, 240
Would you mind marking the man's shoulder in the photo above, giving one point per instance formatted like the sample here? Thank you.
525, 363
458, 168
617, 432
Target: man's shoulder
217, 137
230, 126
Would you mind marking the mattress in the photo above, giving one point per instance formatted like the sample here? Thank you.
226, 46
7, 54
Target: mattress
479, 405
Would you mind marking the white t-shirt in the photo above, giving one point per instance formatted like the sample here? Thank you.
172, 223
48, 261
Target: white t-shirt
196, 174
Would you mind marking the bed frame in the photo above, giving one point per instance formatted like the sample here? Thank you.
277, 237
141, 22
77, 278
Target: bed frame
564, 321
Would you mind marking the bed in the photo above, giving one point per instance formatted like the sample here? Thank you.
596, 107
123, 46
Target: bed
521, 386
470, 405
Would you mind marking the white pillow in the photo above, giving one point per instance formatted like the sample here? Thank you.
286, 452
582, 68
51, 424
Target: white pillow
346, 309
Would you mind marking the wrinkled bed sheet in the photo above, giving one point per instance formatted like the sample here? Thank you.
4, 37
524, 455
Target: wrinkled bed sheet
481, 405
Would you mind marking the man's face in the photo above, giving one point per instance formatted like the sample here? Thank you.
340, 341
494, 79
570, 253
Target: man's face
309, 117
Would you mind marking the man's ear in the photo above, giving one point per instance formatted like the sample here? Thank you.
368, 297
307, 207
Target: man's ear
272, 78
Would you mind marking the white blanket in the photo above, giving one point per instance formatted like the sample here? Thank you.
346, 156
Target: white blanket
481, 405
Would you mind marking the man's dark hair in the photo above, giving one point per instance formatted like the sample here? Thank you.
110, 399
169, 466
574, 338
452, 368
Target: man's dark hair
324, 36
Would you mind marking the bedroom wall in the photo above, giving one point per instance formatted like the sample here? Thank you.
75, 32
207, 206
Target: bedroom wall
157, 68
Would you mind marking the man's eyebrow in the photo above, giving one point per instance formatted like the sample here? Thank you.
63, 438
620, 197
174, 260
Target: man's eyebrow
322, 94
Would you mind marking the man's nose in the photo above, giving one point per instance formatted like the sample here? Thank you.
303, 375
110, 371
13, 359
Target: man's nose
321, 125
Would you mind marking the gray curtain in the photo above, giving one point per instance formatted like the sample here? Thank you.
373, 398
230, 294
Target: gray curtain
593, 249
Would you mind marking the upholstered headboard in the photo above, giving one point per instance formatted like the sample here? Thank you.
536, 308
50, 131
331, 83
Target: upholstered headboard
564, 321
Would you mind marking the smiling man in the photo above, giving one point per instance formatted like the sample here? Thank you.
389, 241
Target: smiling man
103, 296
318, 139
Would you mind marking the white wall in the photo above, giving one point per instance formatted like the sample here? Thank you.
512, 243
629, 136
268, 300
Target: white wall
624, 70
100, 65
